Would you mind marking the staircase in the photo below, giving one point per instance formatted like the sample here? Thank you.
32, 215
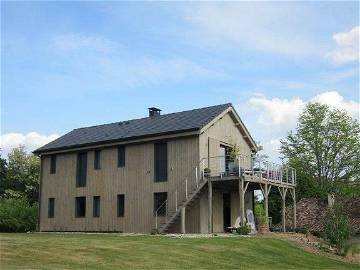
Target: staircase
172, 217
190, 189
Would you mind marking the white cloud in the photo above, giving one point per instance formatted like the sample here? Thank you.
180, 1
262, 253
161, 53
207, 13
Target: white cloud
337, 76
275, 117
114, 64
276, 111
261, 26
335, 100
348, 47
285, 112
75, 41
31, 141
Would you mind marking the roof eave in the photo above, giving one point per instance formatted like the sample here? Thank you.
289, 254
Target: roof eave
150, 137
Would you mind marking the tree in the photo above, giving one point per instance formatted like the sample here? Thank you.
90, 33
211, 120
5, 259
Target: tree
3, 171
22, 176
325, 150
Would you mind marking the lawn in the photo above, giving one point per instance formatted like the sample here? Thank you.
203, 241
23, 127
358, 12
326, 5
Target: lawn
112, 251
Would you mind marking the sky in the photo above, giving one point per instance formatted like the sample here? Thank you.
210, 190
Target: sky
66, 65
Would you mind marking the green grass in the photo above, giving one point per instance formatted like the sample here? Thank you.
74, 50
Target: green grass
111, 251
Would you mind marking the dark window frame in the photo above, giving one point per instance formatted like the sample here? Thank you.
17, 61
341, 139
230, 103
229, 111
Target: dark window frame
97, 159
52, 164
96, 206
80, 201
160, 162
158, 201
51, 207
81, 169
120, 205
121, 156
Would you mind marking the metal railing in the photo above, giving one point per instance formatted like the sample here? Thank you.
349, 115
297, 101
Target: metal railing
246, 165
222, 166
181, 192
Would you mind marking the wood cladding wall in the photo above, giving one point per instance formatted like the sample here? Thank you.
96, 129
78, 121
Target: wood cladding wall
135, 180
222, 131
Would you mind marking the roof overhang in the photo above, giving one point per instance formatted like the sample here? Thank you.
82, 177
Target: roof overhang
111, 143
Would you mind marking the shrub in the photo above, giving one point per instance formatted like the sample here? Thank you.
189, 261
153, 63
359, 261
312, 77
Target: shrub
337, 228
243, 230
301, 230
154, 231
16, 215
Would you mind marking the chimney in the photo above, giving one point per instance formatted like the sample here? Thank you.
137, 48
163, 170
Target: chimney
154, 111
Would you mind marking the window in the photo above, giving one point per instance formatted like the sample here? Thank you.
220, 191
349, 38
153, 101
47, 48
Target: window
120, 205
53, 164
97, 157
96, 206
159, 203
81, 170
51, 207
80, 206
121, 156
160, 158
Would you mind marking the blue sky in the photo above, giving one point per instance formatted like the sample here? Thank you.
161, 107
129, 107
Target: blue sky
71, 64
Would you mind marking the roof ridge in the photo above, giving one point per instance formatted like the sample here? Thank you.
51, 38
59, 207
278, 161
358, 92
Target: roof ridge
100, 125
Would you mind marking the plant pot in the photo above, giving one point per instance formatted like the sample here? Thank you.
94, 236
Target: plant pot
263, 228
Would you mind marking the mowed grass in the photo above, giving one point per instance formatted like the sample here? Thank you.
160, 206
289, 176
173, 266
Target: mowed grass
111, 251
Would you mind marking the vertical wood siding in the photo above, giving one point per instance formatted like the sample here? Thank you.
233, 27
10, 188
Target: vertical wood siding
135, 180
222, 131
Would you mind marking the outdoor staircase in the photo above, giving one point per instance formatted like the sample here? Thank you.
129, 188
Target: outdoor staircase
172, 217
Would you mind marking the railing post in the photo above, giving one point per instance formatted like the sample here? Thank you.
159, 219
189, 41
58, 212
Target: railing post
267, 171
186, 188
176, 200
196, 176
239, 165
287, 174
260, 170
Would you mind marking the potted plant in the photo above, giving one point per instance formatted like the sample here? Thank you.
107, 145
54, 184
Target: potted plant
263, 220
207, 172
263, 224
233, 152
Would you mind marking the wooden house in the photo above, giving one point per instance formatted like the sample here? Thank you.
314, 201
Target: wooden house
177, 172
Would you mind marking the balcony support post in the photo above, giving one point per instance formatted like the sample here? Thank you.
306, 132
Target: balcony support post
210, 195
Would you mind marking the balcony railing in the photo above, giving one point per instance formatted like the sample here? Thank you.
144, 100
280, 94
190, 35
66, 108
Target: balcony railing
221, 167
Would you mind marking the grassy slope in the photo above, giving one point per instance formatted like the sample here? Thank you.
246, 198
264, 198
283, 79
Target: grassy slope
79, 251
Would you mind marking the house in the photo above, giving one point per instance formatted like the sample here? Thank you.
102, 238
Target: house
190, 171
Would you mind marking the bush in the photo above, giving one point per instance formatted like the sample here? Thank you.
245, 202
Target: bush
243, 230
337, 228
154, 231
16, 215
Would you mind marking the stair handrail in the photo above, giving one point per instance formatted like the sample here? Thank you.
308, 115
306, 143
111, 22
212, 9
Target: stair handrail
176, 188
157, 210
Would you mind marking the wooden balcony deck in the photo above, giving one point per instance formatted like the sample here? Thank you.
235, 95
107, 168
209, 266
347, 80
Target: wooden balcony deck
255, 178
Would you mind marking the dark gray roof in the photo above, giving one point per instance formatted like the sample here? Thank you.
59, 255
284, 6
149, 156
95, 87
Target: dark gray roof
138, 128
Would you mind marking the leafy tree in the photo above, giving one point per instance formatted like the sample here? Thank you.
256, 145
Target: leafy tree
22, 176
17, 215
3, 170
325, 150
